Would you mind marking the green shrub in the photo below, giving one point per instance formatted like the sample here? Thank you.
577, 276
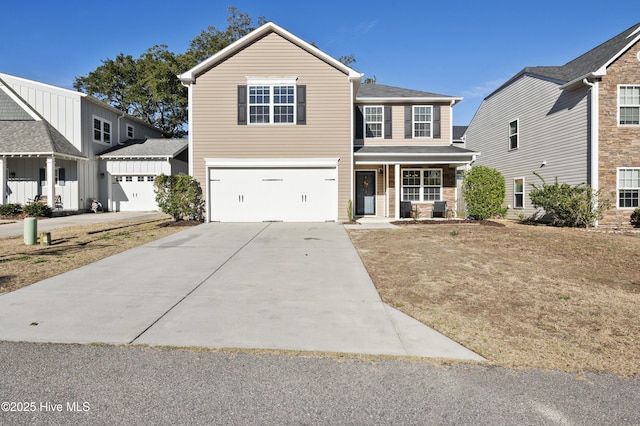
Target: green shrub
574, 206
38, 210
14, 209
179, 196
484, 192
635, 218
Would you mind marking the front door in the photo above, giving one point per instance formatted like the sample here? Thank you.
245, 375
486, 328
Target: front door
365, 193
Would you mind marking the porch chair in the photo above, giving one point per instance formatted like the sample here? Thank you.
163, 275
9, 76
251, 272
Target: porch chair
439, 209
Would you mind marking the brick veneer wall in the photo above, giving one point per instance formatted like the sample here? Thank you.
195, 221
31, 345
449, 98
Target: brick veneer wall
619, 145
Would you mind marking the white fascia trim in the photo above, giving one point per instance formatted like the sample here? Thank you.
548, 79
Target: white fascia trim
189, 77
270, 162
452, 101
43, 85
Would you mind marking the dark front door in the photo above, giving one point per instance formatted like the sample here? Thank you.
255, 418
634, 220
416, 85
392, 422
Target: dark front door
365, 193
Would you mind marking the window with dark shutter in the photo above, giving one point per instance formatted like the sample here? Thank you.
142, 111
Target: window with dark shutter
242, 105
408, 122
436, 121
301, 95
387, 122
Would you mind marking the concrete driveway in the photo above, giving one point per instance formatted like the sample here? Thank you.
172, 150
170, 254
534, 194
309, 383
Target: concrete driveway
260, 285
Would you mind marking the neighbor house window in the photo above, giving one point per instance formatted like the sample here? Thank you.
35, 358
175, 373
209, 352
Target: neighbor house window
628, 187
272, 104
513, 135
422, 185
373, 121
140, 178
422, 121
629, 105
101, 130
518, 193
60, 176
129, 131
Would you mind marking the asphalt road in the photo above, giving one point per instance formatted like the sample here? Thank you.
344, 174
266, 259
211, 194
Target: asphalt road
84, 384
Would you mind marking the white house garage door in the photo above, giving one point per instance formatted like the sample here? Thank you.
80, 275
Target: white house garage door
289, 194
134, 193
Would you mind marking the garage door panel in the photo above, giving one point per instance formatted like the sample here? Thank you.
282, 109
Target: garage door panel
134, 193
273, 194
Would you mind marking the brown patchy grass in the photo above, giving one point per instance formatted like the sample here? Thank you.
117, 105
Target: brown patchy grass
521, 296
72, 247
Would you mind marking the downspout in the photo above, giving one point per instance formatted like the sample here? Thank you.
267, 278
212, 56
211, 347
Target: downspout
120, 118
352, 172
595, 134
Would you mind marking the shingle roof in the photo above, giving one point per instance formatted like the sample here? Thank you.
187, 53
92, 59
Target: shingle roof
458, 132
585, 64
21, 133
369, 90
412, 149
145, 148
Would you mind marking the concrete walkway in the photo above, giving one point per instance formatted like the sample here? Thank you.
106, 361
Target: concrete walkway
258, 285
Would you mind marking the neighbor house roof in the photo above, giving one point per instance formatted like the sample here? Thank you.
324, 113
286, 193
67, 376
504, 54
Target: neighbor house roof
190, 76
458, 132
24, 132
373, 92
146, 148
591, 64
413, 149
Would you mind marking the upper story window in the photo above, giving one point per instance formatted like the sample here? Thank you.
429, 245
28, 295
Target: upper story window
129, 131
272, 101
629, 105
628, 187
101, 130
373, 121
514, 135
422, 121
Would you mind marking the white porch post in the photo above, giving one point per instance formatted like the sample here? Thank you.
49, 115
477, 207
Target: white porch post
51, 181
3, 180
397, 191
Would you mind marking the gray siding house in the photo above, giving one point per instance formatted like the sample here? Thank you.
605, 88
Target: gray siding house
50, 144
578, 122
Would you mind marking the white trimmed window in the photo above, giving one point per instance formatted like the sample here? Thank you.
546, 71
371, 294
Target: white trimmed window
129, 131
422, 185
272, 103
101, 130
514, 139
518, 193
373, 121
628, 187
629, 105
422, 121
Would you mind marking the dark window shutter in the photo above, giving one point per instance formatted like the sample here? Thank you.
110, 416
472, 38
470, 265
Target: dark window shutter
408, 122
242, 105
359, 122
436, 121
387, 122
302, 104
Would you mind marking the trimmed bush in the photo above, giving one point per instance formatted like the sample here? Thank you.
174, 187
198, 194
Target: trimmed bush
179, 196
635, 218
484, 192
573, 206
11, 209
38, 210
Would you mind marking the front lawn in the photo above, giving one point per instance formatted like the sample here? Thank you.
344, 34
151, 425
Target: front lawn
519, 295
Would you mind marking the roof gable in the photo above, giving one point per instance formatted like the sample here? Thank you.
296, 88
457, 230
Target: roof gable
190, 76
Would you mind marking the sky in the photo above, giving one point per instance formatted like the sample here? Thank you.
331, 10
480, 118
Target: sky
453, 47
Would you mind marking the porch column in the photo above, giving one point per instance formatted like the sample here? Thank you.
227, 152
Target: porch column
397, 190
3, 180
51, 181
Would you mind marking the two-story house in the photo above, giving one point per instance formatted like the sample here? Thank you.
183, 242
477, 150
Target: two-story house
51, 139
579, 123
279, 130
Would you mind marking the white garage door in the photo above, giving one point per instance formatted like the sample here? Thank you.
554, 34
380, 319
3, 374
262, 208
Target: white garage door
134, 193
292, 194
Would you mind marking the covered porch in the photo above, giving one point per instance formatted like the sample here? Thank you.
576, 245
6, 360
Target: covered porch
390, 179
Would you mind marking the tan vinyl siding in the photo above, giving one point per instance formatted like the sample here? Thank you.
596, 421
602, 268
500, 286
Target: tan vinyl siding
216, 134
552, 128
397, 129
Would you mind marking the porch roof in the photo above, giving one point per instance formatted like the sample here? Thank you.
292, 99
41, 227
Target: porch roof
445, 154
34, 138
